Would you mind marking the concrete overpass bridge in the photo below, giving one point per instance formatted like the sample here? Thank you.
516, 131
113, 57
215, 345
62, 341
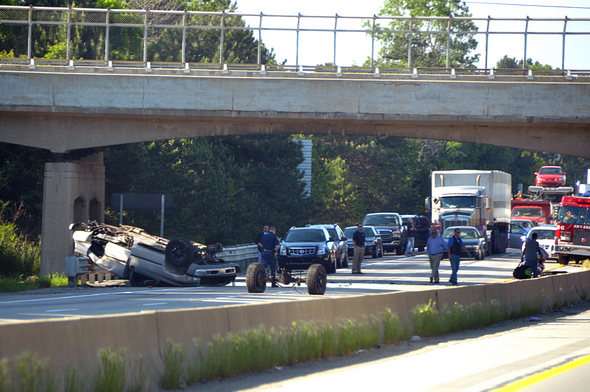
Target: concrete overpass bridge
64, 108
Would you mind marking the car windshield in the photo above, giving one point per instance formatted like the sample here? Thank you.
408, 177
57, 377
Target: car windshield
457, 202
572, 215
550, 170
544, 234
382, 220
466, 233
528, 212
305, 236
348, 233
332, 232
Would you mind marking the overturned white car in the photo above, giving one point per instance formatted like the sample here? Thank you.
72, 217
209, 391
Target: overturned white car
130, 253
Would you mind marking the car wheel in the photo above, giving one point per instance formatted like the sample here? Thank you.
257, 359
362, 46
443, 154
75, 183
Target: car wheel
399, 250
374, 254
331, 266
179, 252
316, 280
345, 262
420, 249
381, 251
339, 262
256, 278
563, 259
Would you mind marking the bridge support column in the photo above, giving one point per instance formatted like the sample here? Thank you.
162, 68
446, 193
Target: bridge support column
72, 192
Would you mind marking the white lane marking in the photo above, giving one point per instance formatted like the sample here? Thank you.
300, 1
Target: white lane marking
156, 304
59, 310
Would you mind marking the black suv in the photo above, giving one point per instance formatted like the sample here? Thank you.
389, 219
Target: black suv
389, 226
337, 234
422, 232
303, 246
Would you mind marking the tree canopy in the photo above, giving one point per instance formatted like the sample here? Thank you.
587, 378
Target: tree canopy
426, 48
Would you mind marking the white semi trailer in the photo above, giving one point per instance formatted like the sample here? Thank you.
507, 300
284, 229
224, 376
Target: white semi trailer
479, 198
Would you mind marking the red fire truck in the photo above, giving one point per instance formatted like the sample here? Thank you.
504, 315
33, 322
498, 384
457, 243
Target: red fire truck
572, 240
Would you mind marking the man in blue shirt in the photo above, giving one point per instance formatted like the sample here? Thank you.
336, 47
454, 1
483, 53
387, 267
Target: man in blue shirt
269, 244
454, 250
531, 249
435, 248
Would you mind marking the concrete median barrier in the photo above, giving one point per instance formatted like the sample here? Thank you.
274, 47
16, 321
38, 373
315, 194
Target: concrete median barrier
78, 341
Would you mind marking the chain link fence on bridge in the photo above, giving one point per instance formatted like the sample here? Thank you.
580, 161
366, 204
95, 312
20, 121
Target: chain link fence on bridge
179, 37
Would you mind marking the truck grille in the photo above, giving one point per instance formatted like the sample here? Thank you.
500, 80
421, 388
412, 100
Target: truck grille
301, 251
386, 235
582, 237
458, 222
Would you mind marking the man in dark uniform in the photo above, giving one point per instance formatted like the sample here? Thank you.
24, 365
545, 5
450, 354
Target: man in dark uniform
358, 238
270, 244
258, 240
454, 247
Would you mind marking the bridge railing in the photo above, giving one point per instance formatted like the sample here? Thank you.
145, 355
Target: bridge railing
210, 37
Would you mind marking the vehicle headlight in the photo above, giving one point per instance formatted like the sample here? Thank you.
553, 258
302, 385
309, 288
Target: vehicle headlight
321, 251
283, 250
566, 237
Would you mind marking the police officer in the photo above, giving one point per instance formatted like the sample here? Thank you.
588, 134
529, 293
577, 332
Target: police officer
270, 244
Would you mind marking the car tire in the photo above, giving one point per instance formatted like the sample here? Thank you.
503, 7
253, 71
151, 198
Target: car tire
563, 259
345, 262
380, 251
339, 262
316, 280
179, 252
399, 250
374, 253
331, 267
420, 249
256, 278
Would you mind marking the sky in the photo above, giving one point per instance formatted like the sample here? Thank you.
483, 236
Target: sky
354, 48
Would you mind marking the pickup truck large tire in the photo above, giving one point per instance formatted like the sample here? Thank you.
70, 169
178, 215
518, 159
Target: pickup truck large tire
316, 280
256, 278
563, 259
180, 252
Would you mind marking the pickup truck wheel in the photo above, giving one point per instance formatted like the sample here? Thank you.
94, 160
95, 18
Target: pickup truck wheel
179, 252
399, 250
374, 254
316, 280
256, 278
380, 251
563, 259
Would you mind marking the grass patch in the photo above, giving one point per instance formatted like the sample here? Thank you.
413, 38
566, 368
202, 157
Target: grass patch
14, 284
258, 349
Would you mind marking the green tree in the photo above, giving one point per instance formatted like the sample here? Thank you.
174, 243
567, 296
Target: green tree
511, 62
427, 49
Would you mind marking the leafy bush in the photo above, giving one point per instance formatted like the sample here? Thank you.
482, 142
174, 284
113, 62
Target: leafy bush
18, 255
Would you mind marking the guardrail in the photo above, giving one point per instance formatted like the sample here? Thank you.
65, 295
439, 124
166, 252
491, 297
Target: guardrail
190, 36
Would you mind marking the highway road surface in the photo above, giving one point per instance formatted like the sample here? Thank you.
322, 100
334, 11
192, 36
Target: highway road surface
388, 274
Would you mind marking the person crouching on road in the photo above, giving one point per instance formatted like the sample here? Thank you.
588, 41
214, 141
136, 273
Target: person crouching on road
270, 244
358, 238
435, 248
258, 240
454, 250
531, 249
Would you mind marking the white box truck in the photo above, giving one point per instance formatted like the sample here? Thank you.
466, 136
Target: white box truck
479, 198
